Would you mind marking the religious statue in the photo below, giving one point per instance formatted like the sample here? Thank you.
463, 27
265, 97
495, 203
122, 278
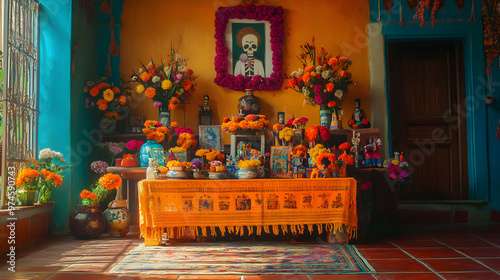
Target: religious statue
205, 112
359, 119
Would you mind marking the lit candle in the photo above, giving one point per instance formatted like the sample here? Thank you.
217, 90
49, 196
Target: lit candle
401, 157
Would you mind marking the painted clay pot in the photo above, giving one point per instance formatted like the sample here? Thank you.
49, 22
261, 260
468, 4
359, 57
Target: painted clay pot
247, 172
87, 222
176, 172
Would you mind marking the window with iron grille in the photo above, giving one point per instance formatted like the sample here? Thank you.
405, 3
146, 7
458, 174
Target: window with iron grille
19, 104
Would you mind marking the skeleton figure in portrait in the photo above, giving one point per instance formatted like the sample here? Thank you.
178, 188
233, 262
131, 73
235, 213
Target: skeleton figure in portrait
249, 40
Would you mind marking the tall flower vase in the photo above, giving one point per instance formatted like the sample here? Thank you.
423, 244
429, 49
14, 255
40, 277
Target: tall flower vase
117, 216
25, 197
87, 222
44, 194
325, 117
164, 116
151, 149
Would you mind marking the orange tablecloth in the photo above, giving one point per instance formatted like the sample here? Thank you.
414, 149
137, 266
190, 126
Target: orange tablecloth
233, 205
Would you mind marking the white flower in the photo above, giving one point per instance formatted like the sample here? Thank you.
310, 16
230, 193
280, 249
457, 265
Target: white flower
156, 79
301, 71
304, 90
60, 156
167, 68
339, 93
325, 74
177, 57
141, 70
182, 67
150, 63
46, 153
318, 69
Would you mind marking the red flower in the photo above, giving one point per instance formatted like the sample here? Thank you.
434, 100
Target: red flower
366, 185
365, 121
324, 132
351, 122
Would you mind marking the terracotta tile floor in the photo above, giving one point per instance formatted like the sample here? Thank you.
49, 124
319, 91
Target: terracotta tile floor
440, 254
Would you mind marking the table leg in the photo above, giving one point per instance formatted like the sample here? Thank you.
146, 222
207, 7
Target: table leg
150, 240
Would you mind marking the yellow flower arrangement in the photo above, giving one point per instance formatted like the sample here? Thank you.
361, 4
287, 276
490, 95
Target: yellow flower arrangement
177, 149
176, 163
162, 169
201, 152
214, 154
253, 123
286, 133
317, 150
249, 163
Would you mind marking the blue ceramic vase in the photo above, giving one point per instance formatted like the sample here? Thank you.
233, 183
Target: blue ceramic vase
154, 150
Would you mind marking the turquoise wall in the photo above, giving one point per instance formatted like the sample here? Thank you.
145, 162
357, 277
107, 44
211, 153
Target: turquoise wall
84, 132
66, 37
55, 97
481, 120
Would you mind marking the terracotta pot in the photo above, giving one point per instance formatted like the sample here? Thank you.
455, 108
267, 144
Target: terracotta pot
87, 222
118, 161
128, 162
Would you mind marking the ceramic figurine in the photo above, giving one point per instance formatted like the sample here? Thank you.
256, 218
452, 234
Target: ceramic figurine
205, 112
358, 119
372, 153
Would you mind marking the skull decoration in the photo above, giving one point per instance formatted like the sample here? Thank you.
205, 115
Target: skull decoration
250, 43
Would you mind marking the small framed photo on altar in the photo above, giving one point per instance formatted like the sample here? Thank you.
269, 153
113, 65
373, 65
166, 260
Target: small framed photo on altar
280, 162
211, 137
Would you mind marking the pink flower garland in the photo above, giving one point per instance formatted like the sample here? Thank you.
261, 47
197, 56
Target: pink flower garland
274, 15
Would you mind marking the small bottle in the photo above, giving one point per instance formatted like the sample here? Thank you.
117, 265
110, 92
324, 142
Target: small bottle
150, 172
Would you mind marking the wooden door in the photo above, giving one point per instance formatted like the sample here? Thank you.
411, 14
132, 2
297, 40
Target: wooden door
427, 117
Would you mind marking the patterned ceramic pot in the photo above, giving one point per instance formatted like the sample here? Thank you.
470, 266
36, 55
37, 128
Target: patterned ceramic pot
87, 222
247, 172
151, 149
176, 172
117, 219
197, 174
217, 175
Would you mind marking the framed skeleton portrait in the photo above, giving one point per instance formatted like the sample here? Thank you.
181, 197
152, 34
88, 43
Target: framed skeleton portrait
248, 47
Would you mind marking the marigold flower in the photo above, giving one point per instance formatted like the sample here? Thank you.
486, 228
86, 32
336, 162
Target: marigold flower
92, 196
25, 176
95, 91
345, 146
110, 181
112, 114
166, 84
186, 84
309, 68
85, 194
226, 119
277, 127
123, 100
102, 104
330, 87
332, 104
333, 62
250, 117
174, 124
145, 76
306, 77
150, 92
139, 89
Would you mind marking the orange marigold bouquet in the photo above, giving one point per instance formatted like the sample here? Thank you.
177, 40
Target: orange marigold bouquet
317, 133
106, 97
326, 161
187, 140
210, 155
249, 123
169, 83
156, 131
176, 163
42, 175
299, 151
101, 189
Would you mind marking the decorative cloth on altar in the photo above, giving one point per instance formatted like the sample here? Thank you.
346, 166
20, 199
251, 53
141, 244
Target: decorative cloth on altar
235, 205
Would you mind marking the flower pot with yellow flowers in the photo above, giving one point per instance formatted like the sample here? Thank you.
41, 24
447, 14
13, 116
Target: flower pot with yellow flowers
155, 133
248, 169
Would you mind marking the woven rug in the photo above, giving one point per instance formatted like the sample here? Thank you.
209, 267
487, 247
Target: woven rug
243, 258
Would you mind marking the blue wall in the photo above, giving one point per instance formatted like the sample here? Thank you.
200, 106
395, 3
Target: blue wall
55, 98
481, 120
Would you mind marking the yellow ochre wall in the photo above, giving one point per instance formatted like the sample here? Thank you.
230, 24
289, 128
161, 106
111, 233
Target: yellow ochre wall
149, 27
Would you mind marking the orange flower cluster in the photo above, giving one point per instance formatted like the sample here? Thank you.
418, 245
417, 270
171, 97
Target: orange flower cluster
85, 194
250, 122
326, 159
345, 146
214, 154
25, 176
187, 140
129, 156
348, 159
156, 131
103, 94
277, 127
299, 151
176, 163
313, 132
57, 179
110, 181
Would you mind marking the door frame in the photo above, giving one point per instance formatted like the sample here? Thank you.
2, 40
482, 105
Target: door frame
477, 154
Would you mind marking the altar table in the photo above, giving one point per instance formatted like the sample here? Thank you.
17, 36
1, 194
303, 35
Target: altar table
268, 205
